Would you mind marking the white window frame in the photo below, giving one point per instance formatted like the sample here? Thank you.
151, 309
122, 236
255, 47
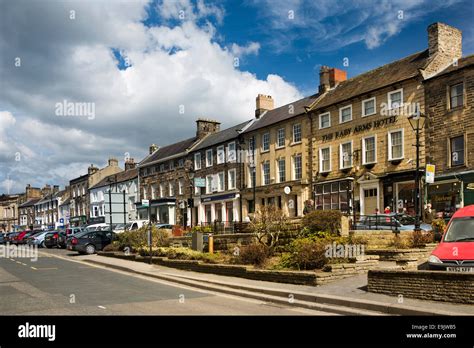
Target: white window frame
209, 188
301, 133
293, 166
181, 186
363, 106
278, 169
269, 173
390, 157
263, 142
171, 188
284, 138
340, 113
231, 153
229, 185
320, 117
162, 190
209, 159
389, 100
364, 160
197, 161
321, 159
221, 182
341, 159
220, 154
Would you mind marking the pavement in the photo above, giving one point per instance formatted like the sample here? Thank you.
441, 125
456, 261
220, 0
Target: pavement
61, 283
347, 296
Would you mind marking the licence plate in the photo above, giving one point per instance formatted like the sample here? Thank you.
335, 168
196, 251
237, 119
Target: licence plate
460, 269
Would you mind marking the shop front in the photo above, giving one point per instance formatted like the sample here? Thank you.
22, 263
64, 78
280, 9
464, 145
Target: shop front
78, 220
161, 211
399, 192
334, 195
223, 208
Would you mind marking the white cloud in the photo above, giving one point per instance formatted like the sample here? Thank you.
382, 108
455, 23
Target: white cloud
172, 65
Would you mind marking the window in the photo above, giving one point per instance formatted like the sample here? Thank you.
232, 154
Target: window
231, 152
457, 151
297, 173
333, 196
181, 163
171, 186
162, 190
220, 154
209, 158
281, 170
181, 186
345, 155
281, 137
325, 160
395, 99
197, 161
162, 167
395, 141
325, 120
266, 173
220, 182
252, 177
456, 95
369, 152
144, 193
171, 166
153, 191
231, 175
297, 133
209, 184
266, 142
368, 107
345, 114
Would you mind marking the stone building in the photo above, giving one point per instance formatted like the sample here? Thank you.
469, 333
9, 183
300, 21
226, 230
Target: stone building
26, 208
9, 212
47, 209
363, 153
449, 100
164, 177
218, 178
79, 190
276, 168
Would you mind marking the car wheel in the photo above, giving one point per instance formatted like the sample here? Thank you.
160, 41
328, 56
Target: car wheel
90, 249
42, 245
49, 246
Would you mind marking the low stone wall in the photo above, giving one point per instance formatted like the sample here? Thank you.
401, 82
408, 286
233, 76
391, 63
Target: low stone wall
330, 273
222, 242
426, 285
379, 239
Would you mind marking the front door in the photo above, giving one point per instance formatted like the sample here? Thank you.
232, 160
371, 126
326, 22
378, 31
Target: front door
370, 201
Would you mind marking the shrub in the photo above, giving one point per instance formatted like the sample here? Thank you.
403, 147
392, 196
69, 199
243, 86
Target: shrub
253, 254
267, 225
323, 220
202, 229
114, 246
180, 254
305, 253
139, 238
419, 239
397, 242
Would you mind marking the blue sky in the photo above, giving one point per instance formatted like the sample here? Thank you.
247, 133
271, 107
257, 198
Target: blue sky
182, 56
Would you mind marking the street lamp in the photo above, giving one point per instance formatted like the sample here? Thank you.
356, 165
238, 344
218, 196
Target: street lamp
191, 186
417, 122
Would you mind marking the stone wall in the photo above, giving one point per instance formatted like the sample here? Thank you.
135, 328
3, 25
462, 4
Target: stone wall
426, 285
379, 239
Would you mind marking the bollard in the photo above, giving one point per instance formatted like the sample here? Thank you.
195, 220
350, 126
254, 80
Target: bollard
211, 244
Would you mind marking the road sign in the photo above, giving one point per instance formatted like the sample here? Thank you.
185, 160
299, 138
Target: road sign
430, 173
145, 202
199, 182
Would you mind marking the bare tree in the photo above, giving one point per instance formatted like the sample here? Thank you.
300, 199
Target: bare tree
267, 225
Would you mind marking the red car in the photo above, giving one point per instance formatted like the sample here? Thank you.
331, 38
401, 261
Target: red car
455, 252
18, 239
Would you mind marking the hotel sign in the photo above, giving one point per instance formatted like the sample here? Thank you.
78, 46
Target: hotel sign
361, 128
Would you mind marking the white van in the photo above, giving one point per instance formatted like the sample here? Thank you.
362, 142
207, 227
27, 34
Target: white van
135, 225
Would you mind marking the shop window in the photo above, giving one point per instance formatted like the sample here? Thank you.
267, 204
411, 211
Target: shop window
457, 151
456, 95
333, 196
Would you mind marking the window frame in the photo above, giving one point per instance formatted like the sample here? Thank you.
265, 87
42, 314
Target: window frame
229, 186
196, 161
263, 142
364, 159
389, 100
451, 165
450, 96
341, 158
363, 106
220, 149
264, 182
300, 133
278, 169
340, 113
390, 154
278, 146
320, 117
321, 160
300, 156
209, 159
231, 153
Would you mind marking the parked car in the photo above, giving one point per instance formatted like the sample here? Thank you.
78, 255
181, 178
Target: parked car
70, 231
18, 238
10, 237
135, 225
51, 239
62, 240
455, 252
2, 238
164, 226
118, 228
95, 227
391, 221
38, 239
24, 239
89, 242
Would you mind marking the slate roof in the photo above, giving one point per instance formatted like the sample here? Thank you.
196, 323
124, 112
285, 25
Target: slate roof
119, 177
462, 63
380, 77
282, 113
169, 150
221, 136
29, 202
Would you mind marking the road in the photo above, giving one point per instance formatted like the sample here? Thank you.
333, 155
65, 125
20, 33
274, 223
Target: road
58, 283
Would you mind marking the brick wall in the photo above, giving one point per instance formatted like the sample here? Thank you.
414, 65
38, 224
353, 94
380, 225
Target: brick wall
426, 285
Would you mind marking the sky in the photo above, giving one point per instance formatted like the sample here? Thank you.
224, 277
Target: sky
82, 81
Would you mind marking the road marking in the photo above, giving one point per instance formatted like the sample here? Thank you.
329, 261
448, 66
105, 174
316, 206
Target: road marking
34, 268
101, 307
18, 262
24, 264
12, 260
46, 269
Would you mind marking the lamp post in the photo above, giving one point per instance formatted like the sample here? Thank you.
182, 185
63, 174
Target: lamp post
417, 123
191, 188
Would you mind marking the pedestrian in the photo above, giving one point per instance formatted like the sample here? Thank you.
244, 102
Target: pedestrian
308, 207
387, 211
428, 214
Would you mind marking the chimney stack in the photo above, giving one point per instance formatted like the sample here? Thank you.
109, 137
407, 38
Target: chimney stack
263, 103
130, 164
330, 78
92, 169
205, 127
445, 40
153, 148
113, 162
55, 188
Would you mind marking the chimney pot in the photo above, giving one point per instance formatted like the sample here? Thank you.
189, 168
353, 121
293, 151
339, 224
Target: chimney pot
330, 78
130, 163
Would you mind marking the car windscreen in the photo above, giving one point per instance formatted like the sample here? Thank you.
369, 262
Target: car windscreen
460, 230
406, 219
